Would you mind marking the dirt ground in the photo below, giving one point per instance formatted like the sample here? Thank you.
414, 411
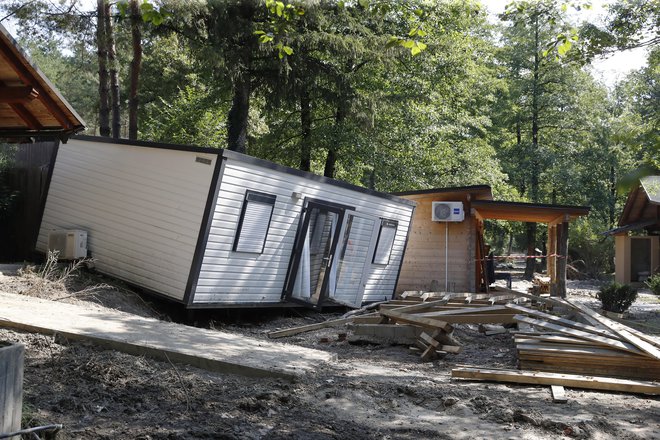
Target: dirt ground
371, 392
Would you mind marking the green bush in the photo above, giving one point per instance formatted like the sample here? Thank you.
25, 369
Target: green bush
617, 297
654, 283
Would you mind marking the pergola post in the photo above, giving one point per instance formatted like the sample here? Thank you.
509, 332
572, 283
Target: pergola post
552, 251
562, 251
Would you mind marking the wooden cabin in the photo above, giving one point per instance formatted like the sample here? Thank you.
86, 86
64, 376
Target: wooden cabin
211, 228
636, 239
449, 254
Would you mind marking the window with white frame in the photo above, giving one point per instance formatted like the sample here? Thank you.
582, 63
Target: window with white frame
385, 241
254, 222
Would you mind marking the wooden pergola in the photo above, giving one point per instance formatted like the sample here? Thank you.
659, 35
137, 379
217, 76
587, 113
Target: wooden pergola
557, 217
30, 106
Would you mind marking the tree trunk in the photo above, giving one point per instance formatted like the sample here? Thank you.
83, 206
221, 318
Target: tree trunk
535, 166
136, 63
340, 117
104, 94
306, 126
114, 72
612, 201
237, 120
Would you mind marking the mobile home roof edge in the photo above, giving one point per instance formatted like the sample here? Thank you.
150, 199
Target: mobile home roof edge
467, 189
248, 159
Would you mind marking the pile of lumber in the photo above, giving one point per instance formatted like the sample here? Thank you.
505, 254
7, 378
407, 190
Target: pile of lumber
423, 320
602, 347
433, 314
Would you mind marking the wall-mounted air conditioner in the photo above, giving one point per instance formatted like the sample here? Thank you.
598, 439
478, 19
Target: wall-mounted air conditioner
71, 244
447, 212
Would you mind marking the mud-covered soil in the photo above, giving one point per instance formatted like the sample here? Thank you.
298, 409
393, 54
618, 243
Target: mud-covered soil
371, 392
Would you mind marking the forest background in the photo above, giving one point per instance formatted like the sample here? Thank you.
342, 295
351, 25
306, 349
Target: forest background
388, 94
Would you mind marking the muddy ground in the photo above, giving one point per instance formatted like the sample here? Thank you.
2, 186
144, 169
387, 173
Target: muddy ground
371, 392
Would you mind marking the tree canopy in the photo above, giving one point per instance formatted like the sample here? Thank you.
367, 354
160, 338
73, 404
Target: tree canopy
392, 95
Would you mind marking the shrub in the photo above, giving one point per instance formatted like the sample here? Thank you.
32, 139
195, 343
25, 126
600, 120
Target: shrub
654, 283
617, 297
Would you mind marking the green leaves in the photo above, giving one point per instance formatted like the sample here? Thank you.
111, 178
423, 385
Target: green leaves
150, 14
281, 20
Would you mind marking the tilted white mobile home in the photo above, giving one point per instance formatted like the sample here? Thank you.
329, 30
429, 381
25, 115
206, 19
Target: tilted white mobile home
214, 228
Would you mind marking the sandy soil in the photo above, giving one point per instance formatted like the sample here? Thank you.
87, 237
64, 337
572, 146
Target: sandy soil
372, 391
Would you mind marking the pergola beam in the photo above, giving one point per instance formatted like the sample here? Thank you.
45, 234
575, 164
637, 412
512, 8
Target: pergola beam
17, 95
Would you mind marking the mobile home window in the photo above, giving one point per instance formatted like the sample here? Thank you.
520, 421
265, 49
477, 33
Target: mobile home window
254, 222
385, 241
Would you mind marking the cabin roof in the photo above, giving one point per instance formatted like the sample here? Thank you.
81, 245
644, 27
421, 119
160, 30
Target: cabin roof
30, 105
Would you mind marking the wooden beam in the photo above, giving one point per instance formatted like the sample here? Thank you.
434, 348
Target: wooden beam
429, 323
634, 337
579, 334
562, 251
27, 117
567, 380
563, 321
308, 328
28, 78
21, 95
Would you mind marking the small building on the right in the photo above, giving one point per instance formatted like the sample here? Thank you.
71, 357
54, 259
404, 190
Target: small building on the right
637, 248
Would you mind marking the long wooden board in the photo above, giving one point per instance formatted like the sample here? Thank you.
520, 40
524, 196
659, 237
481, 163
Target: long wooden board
567, 380
579, 334
638, 339
308, 328
429, 323
563, 321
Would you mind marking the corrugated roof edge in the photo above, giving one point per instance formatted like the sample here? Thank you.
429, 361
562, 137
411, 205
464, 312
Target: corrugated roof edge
249, 159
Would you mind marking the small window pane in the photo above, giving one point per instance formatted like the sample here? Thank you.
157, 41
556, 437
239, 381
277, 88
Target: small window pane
385, 241
254, 222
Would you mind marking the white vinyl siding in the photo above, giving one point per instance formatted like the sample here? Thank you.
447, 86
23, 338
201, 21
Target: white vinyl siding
238, 277
142, 208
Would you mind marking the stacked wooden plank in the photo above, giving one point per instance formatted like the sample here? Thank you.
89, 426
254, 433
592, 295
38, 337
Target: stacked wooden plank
433, 315
603, 347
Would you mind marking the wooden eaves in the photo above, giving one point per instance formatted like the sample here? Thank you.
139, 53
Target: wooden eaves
30, 105
528, 212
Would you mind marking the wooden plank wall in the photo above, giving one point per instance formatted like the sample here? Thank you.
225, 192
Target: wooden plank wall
424, 262
11, 387
25, 178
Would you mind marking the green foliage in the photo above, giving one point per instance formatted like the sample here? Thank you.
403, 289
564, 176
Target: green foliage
592, 253
617, 297
653, 283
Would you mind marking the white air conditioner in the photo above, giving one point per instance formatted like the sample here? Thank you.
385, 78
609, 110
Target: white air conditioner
71, 244
447, 212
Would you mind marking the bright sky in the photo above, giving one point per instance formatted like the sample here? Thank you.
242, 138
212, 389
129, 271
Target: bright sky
610, 69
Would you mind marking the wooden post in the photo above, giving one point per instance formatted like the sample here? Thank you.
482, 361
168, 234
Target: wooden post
11, 387
552, 250
562, 251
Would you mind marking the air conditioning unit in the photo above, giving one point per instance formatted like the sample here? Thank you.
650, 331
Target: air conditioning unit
447, 212
71, 244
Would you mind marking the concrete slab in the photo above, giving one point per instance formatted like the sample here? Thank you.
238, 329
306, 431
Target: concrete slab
209, 349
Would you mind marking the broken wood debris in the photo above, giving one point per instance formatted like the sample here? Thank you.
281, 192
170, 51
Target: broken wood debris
423, 320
